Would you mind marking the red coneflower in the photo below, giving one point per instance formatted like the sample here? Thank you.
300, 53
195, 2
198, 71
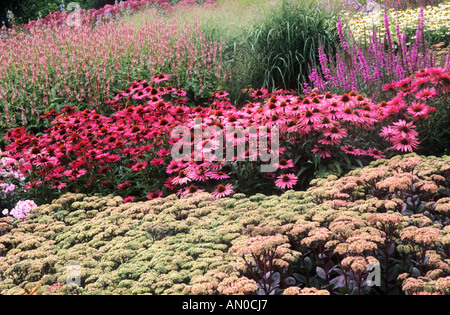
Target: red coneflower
154, 194
128, 199
139, 166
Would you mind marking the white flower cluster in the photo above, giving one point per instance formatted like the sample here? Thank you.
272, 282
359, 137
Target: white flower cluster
436, 19
22, 209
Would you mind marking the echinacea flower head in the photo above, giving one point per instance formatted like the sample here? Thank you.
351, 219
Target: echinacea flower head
220, 94
405, 143
418, 110
286, 181
124, 185
154, 194
426, 94
128, 199
375, 153
283, 163
220, 175
159, 77
260, 93
349, 149
335, 133
139, 166
322, 150
405, 129
223, 190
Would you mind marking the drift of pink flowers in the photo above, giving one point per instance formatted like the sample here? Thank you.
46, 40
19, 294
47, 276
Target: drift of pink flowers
86, 148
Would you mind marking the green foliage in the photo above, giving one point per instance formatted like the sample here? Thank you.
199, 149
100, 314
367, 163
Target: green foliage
25, 10
278, 49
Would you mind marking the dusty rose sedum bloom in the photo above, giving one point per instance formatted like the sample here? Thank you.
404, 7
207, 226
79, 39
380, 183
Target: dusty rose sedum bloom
358, 264
236, 286
305, 291
275, 247
316, 236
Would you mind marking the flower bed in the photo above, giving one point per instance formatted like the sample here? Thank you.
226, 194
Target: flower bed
132, 152
392, 214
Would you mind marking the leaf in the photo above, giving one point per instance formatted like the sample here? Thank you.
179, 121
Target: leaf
308, 264
321, 273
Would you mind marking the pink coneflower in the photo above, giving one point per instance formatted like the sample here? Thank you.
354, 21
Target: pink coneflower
388, 132
346, 101
404, 143
335, 133
389, 86
377, 154
139, 166
260, 93
220, 94
200, 174
322, 150
286, 181
140, 95
418, 110
425, 94
284, 164
405, 129
310, 116
44, 161
349, 149
222, 191
220, 175
179, 92
328, 141
189, 190
181, 179
154, 194
347, 114
128, 199
159, 77
174, 166
326, 123
33, 184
